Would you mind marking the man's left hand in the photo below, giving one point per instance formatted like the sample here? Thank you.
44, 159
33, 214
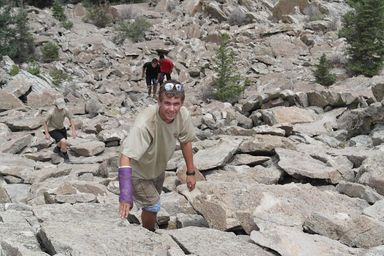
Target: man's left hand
191, 182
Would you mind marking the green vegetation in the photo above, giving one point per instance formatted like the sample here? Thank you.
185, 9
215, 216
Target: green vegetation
322, 74
58, 11
98, 15
14, 70
133, 30
16, 41
34, 68
58, 76
364, 31
228, 83
67, 24
50, 52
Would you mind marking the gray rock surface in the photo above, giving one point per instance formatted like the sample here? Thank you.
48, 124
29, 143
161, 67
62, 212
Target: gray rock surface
372, 173
359, 191
376, 210
309, 166
217, 155
259, 153
204, 241
286, 205
66, 229
290, 241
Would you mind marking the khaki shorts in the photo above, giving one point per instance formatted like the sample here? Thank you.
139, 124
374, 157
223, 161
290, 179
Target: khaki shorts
147, 192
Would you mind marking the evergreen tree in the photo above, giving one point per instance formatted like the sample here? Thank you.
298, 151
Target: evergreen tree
322, 74
364, 31
58, 11
23, 40
228, 79
15, 39
7, 31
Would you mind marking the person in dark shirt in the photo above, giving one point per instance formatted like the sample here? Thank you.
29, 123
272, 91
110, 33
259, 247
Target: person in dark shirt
151, 70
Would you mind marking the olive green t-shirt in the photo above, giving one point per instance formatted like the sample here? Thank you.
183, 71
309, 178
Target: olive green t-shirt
55, 118
151, 141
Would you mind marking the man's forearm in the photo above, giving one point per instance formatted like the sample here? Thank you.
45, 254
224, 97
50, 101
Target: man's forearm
186, 148
124, 160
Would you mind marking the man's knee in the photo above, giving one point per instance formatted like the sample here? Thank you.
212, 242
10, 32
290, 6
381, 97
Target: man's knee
63, 142
155, 208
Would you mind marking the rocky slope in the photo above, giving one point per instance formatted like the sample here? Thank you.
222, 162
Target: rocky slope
293, 168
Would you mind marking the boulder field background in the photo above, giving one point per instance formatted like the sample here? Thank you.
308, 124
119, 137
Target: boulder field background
293, 168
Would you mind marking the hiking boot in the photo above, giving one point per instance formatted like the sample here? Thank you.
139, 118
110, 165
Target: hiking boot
66, 157
56, 150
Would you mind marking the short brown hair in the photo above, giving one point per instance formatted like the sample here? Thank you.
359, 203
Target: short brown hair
173, 93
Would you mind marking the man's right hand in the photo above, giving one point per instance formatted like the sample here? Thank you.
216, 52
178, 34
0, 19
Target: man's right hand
124, 209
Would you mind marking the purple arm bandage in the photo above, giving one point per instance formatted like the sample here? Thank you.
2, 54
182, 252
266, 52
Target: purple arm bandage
125, 184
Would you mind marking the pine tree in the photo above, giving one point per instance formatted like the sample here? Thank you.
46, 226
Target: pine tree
322, 74
58, 11
23, 40
15, 39
228, 79
364, 31
7, 31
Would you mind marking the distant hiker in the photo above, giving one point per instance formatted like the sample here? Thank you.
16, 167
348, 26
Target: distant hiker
166, 67
54, 127
147, 149
151, 70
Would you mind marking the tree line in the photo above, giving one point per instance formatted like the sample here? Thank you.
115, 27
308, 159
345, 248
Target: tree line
362, 28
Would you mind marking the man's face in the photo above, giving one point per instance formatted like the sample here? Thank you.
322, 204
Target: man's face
154, 64
169, 107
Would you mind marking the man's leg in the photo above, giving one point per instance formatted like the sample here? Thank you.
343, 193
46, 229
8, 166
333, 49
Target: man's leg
148, 219
58, 136
146, 192
149, 89
149, 86
161, 78
64, 150
64, 146
154, 87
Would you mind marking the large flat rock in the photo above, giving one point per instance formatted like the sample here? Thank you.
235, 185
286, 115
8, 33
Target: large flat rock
264, 144
217, 155
223, 203
17, 234
371, 172
300, 164
291, 115
210, 242
292, 242
94, 229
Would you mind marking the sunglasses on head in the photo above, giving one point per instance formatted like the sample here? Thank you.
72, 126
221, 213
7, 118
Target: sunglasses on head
171, 86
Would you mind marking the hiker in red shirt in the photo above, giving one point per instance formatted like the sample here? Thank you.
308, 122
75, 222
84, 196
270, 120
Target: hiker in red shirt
166, 66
